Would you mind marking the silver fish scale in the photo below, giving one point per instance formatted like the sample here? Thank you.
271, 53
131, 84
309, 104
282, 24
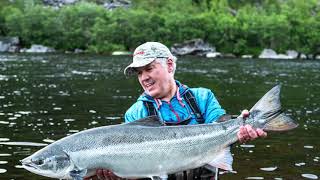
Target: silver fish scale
150, 149
124, 134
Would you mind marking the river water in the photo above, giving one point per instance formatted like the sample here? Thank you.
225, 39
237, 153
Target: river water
47, 97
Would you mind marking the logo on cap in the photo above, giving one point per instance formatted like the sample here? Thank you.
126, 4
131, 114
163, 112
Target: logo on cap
137, 53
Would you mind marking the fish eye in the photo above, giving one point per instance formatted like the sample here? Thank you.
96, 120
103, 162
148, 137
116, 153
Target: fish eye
38, 161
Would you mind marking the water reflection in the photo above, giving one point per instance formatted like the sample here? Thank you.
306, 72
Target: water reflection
3, 171
256, 178
4, 154
247, 145
23, 144
269, 169
309, 176
47, 97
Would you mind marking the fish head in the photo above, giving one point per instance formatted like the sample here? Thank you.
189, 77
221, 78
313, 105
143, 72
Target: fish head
50, 162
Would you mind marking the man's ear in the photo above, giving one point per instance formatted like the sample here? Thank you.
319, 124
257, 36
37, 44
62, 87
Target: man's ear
170, 65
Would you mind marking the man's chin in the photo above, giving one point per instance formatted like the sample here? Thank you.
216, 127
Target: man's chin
153, 94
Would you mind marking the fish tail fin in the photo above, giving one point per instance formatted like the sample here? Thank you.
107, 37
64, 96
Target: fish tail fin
267, 114
280, 123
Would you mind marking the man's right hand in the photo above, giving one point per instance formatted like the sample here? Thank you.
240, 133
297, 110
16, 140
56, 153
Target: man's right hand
103, 174
247, 133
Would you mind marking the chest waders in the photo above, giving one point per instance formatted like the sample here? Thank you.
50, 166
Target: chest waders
191, 101
192, 174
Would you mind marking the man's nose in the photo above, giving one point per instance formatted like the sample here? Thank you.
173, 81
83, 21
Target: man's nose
144, 76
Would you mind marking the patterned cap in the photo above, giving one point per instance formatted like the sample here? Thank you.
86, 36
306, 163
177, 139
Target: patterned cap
145, 54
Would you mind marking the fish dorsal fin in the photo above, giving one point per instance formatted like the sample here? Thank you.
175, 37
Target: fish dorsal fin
152, 121
223, 160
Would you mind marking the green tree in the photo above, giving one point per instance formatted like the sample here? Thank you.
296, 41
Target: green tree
36, 25
12, 21
76, 24
303, 19
185, 27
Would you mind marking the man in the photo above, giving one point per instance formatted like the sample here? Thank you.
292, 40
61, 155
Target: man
173, 102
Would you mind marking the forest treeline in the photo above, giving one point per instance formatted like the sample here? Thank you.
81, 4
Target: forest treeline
232, 26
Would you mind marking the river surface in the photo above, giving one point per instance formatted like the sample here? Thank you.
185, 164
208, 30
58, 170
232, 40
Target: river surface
47, 97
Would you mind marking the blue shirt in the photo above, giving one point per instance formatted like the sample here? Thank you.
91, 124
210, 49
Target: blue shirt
177, 109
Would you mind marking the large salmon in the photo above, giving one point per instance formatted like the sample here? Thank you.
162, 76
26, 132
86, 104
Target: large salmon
147, 148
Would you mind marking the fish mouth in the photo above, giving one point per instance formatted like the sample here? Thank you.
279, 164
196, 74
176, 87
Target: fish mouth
30, 166
25, 161
27, 164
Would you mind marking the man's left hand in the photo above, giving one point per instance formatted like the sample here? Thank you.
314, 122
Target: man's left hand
247, 133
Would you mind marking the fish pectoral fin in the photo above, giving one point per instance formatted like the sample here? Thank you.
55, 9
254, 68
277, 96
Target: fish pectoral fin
211, 168
222, 161
162, 177
78, 174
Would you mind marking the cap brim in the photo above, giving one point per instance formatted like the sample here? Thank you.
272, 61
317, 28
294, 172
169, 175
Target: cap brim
131, 69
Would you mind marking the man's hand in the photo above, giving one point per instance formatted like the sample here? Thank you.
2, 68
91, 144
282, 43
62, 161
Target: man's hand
247, 133
102, 174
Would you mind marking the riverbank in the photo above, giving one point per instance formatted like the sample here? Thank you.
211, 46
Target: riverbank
233, 29
195, 47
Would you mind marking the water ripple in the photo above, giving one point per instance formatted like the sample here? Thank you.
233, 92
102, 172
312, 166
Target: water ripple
269, 168
247, 145
4, 139
2, 155
23, 144
255, 178
309, 176
4, 122
19, 166
48, 140
300, 164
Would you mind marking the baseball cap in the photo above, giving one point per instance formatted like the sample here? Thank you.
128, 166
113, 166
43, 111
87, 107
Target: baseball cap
145, 54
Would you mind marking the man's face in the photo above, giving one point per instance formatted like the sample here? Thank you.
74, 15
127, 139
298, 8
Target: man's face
155, 79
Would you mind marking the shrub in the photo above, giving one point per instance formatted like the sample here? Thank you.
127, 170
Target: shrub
76, 25
231, 26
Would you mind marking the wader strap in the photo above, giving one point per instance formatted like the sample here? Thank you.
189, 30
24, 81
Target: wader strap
150, 108
152, 112
191, 100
